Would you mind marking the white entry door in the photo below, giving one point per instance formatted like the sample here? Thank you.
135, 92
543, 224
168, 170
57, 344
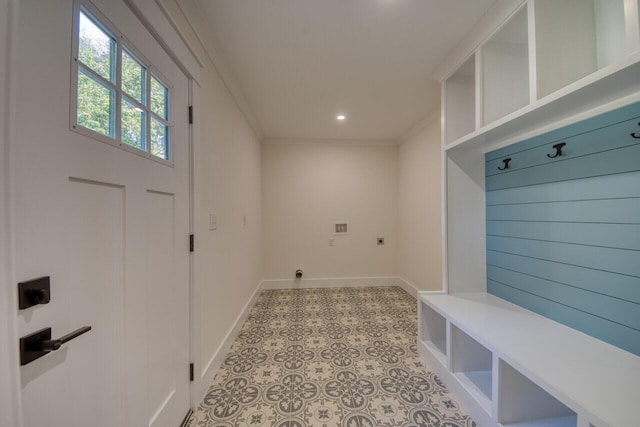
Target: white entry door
109, 226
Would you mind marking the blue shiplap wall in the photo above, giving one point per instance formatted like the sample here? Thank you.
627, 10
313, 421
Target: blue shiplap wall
563, 234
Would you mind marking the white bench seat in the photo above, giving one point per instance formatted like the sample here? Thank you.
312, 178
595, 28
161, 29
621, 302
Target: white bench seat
586, 382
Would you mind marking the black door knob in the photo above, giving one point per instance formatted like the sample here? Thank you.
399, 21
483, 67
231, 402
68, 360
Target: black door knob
38, 296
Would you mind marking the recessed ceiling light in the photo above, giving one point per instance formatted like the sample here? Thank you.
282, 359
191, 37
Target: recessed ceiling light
341, 117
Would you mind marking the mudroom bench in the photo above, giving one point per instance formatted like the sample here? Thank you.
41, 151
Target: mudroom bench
511, 367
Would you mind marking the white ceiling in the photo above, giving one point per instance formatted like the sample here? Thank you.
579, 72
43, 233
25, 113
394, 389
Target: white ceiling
299, 63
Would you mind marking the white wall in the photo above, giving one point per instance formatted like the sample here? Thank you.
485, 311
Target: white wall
308, 186
419, 209
227, 161
229, 259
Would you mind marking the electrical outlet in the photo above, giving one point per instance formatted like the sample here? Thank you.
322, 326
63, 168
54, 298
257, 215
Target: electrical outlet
380, 241
340, 228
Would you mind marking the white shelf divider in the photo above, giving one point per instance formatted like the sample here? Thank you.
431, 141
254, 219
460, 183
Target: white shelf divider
433, 332
472, 365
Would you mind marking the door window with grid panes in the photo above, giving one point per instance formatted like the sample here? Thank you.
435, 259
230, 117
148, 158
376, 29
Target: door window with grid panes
118, 97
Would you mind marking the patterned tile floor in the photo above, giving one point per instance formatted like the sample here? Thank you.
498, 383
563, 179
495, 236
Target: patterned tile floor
340, 357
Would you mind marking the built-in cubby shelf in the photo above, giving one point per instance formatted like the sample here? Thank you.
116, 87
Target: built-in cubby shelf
460, 102
433, 332
523, 403
471, 363
510, 367
574, 38
505, 69
542, 51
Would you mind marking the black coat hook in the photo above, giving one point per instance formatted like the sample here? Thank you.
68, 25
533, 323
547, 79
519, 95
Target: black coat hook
558, 152
634, 134
506, 164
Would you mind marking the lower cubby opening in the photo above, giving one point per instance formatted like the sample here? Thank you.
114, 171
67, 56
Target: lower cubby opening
523, 403
472, 365
434, 332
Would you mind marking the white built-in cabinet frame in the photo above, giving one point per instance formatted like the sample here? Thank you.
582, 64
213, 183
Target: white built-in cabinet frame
525, 51
495, 94
470, 128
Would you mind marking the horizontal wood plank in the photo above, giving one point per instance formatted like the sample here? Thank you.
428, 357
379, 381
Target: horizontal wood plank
605, 163
603, 282
612, 260
620, 236
604, 139
616, 310
617, 186
614, 211
613, 333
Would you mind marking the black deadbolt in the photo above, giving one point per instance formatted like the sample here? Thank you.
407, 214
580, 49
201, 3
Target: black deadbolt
34, 292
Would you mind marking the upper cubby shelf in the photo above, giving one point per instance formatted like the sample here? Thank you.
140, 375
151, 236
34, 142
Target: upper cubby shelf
505, 69
574, 38
460, 100
547, 62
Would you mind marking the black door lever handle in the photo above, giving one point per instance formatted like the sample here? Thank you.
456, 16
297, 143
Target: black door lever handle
52, 345
36, 345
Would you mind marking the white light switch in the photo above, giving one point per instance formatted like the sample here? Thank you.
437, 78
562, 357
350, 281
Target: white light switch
213, 222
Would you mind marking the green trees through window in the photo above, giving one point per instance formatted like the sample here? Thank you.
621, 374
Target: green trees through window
131, 107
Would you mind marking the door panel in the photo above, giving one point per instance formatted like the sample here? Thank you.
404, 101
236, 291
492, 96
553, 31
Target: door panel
163, 337
76, 370
111, 230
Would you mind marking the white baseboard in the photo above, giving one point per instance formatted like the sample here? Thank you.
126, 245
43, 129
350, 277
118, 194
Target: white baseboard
218, 356
408, 287
333, 282
340, 282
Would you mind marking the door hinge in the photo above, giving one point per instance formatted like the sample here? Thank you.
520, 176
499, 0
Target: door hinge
190, 114
191, 239
191, 372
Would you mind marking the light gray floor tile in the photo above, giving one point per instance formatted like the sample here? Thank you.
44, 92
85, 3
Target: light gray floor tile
339, 357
